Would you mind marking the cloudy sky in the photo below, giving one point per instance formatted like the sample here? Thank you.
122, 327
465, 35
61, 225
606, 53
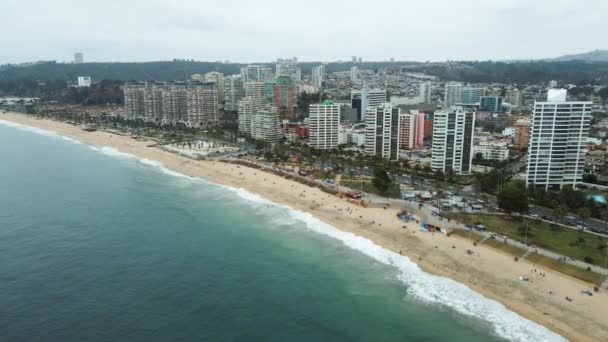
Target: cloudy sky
313, 30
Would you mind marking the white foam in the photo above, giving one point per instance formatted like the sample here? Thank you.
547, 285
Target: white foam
37, 130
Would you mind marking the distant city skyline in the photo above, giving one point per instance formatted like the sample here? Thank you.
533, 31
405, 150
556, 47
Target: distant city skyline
246, 32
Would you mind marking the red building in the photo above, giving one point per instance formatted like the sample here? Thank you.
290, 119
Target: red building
285, 97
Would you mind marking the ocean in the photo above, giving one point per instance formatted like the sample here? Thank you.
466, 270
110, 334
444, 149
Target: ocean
99, 245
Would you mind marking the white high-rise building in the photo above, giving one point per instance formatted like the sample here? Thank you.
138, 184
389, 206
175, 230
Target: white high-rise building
266, 126
453, 133
425, 91
514, 97
324, 123
318, 74
382, 131
556, 150
452, 95
353, 73
78, 58
246, 113
256, 73
255, 90
472, 95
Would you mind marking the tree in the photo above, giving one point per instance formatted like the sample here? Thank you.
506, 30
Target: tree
513, 197
381, 180
583, 213
560, 211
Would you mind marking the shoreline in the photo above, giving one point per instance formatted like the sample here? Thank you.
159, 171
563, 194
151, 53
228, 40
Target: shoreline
489, 273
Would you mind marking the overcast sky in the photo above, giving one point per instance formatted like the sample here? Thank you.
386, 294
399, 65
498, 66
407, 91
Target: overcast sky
312, 30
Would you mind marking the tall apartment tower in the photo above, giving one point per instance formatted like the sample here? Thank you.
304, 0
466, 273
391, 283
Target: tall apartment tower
217, 78
318, 74
255, 90
285, 97
324, 122
472, 95
233, 92
203, 106
453, 132
425, 91
382, 131
247, 110
255, 73
556, 151
452, 94
353, 74
411, 130
522, 134
78, 58
134, 101
365, 98
175, 103
514, 97
266, 126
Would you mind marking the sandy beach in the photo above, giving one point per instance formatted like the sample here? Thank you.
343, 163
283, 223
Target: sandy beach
489, 272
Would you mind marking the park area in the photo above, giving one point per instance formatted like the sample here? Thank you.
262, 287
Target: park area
568, 242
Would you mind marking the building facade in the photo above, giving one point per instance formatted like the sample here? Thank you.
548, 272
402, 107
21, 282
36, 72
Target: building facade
266, 126
411, 130
324, 122
556, 150
318, 74
472, 95
453, 133
255, 90
285, 97
452, 94
522, 134
498, 151
366, 98
233, 91
246, 111
382, 131
490, 104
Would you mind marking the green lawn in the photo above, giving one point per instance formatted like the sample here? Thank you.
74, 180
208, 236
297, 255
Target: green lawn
509, 249
569, 242
573, 271
393, 192
465, 234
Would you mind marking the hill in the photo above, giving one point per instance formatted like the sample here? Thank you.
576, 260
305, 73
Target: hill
593, 56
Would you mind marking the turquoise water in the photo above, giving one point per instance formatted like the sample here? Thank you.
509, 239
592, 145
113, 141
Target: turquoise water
96, 245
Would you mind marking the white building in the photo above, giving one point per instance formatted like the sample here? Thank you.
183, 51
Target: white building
508, 132
318, 74
233, 92
452, 95
84, 81
353, 74
453, 132
78, 58
266, 126
382, 131
472, 95
556, 150
349, 135
498, 151
246, 112
324, 121
217, 78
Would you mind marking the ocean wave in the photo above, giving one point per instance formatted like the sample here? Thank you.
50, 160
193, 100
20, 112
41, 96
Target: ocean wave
37, 130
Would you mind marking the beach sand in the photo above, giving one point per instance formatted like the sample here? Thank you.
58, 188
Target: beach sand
489, 271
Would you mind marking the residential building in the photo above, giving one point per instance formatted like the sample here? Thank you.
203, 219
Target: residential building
382, 131
256, 73
285, 97
498, 151
217, 78
233, 91
78, 58
266, 126
367, 98
194, 104
84, 81
255, 90
318, 74
428, 126
353, 74
246, 112
453, 132
514, 97
522, 134
452, 94
556, 151
472, 95
324, 121
411, 130
490, 104
425, 92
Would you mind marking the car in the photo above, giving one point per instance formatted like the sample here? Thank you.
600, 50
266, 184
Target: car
533, 215
545, 218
